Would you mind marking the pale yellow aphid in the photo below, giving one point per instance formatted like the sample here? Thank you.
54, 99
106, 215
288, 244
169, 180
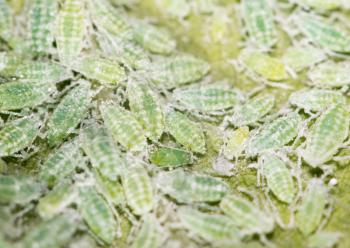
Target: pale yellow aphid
234, 142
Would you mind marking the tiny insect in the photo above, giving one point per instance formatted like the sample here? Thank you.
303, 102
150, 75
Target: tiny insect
313, 206
70, 30
69, 113
259, 23
9, 63
323, 239
253, 110
186, 132
209, 99
61, 163
146, 107
172, 72
329, 74
20, 95
138, 189
179, 9
112, 191
123, 127
55, 232
150, 235
189, 187
18, 134
41, 23
274, 135
170, 157
278, 177
19, 189
102, 152
105, 71
214, 228
56, 201
154, 39
6, 20
234, 142
247, 216
97, 214
326, 135
316, 99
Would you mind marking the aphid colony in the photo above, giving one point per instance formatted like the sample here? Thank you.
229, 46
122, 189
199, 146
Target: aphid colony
105, 126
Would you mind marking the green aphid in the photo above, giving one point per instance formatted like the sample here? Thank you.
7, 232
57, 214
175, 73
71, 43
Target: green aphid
61, 163
41, 23
102, 152
217, 229
150, 234
112, 191
70, 30
323, 239
258, 18
253, 110
189, 187
170, 157
313, 206
330, 75
208, 99
274, 135
69, 113
97, 214
56, 201
55, 232
108, 18
322, 33
6, 20
9, 62
186, 132
145, 105
247, 216
123, 127
18, 134
154, 39
234, 142
326, 135
19, 189
316, 100
106, 71
172, 72
138, 189
278, 177
18, 95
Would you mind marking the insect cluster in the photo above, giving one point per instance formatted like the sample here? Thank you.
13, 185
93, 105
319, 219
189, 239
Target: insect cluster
112, 136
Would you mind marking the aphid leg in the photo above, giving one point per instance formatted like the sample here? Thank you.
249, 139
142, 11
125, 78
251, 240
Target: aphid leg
275, 212
327, 214
328, 170
256, 90
266, 242
258, 168
250, 194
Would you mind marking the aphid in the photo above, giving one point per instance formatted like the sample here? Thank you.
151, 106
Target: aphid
316, 99
112, 191
18, 134
253, 110
179, 9
69, 113
170, 157
330, 74
189, 187
323, 239
61, 163
260, 64
55, 232
326, 135
6, 20
278, 177
234, 142
274, 135
56, 201
214, 228
248, 217
258, 18
154, 39
41, 21
146, 107
123, 127
186, 132
9, 63
106, 71
210, 99
97, 214
19, 189
20, 95
102, 152
313, 206
138, 189
320, 32
70, 30
150, 234
172, 72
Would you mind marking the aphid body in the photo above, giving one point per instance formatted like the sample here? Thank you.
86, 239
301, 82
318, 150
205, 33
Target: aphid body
234, 142
150, 234
170, 157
